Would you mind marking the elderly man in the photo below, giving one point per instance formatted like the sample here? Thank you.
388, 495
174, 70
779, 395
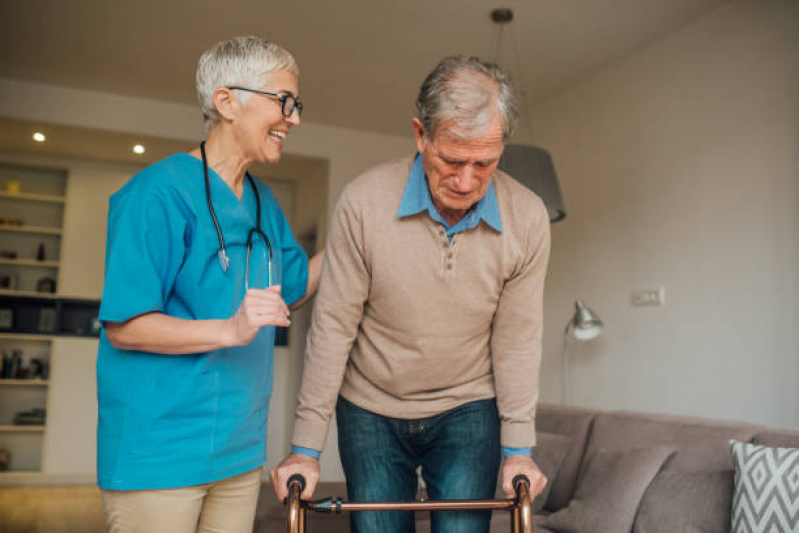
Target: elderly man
426, 335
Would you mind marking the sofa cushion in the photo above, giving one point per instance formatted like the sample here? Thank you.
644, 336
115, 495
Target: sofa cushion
688, 502
549, 452
778, 438
609, 491
701, 444
766, 496
574, 423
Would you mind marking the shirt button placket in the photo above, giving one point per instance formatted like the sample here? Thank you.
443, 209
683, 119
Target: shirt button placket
450, 260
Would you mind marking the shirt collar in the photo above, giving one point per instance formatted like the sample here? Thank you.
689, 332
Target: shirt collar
416, 199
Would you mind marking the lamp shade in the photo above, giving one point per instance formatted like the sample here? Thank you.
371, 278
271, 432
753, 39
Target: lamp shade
532, 166
585, 322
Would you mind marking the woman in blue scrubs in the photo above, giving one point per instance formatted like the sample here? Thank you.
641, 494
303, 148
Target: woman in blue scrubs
201, 266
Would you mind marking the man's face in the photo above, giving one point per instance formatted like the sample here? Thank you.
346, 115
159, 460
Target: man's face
459, 169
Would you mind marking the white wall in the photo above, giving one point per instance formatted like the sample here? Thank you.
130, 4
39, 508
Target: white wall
680, 168
70, 443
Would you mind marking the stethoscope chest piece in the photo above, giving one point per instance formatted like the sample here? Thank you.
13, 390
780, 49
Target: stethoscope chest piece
224, 260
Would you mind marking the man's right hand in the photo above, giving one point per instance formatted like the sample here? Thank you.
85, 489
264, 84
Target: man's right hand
296, 463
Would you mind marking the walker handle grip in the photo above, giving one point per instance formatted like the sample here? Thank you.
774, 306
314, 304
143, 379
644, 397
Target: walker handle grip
299, 479
520, 478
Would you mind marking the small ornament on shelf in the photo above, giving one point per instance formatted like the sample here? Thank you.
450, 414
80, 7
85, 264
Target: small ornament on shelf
45, 285
8, 282
6, 318
13, 187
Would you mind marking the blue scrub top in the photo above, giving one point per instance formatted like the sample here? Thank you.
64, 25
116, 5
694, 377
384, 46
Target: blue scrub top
170, 421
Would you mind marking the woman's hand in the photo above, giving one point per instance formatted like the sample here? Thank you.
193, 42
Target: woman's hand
260, 307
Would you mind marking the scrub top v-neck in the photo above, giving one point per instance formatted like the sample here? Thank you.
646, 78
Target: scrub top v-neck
178, 420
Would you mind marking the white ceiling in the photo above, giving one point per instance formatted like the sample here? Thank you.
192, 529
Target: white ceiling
362, 60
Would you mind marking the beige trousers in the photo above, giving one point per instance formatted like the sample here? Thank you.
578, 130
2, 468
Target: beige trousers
224, 506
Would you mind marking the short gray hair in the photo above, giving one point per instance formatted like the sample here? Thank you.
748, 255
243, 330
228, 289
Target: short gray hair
467, 92
241, 61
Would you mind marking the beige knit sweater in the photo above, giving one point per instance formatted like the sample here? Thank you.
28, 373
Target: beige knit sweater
409, 325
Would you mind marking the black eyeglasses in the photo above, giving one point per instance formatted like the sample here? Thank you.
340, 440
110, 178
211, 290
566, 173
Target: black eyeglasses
289, 102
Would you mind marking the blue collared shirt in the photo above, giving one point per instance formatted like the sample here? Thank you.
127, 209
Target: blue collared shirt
416, 199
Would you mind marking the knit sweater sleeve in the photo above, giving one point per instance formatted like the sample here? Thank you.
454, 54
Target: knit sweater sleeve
337, 313
516, 339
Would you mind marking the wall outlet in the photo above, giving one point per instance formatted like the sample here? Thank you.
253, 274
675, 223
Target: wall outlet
646, 297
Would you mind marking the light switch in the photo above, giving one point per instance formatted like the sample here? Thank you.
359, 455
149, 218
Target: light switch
644, 297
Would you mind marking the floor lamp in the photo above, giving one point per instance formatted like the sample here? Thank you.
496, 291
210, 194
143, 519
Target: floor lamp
584, 325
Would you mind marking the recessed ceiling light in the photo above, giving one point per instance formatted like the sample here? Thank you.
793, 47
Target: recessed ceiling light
39, 137
138, 149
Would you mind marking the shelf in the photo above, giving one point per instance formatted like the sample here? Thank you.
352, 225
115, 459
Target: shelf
50, 296
33, 197
24, 382
21, 429
35, 263
39, 230
29, 294
26, 337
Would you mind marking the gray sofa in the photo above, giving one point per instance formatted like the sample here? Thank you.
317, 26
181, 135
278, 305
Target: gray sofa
691, 490
611, 471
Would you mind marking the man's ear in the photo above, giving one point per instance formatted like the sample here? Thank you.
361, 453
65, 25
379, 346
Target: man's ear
226, 103
418, 134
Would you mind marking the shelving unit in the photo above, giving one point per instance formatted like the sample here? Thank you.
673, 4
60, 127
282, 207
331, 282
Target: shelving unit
23, 442
30, 220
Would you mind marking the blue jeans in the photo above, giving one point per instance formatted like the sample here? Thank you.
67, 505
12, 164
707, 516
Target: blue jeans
458, 450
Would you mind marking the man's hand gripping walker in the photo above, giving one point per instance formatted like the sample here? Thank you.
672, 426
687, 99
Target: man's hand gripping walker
296, 522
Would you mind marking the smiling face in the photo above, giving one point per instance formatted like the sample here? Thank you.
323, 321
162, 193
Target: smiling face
459, 169
261, 126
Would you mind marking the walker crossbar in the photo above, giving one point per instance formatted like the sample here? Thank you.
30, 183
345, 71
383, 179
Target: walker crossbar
521, 515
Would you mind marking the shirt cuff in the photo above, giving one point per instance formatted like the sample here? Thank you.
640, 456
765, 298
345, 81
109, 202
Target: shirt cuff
507, 452
310, 452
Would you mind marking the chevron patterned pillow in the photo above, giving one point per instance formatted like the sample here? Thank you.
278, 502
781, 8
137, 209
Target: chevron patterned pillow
766, 497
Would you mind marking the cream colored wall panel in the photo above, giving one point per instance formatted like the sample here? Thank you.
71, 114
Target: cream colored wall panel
70, 447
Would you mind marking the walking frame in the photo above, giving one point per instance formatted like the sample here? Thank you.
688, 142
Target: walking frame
519, 507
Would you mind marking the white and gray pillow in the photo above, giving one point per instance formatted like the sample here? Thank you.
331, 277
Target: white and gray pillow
766, 495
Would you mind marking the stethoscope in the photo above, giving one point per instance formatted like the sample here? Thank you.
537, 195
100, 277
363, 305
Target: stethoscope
224, 260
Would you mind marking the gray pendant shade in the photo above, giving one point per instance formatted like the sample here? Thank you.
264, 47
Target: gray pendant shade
533, 167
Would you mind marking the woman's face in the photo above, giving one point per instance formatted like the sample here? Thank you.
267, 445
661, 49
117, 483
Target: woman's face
262, 128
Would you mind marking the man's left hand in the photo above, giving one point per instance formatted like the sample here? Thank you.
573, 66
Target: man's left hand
521, 464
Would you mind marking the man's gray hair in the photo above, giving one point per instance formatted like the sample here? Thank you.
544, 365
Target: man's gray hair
241, 61
468, 93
